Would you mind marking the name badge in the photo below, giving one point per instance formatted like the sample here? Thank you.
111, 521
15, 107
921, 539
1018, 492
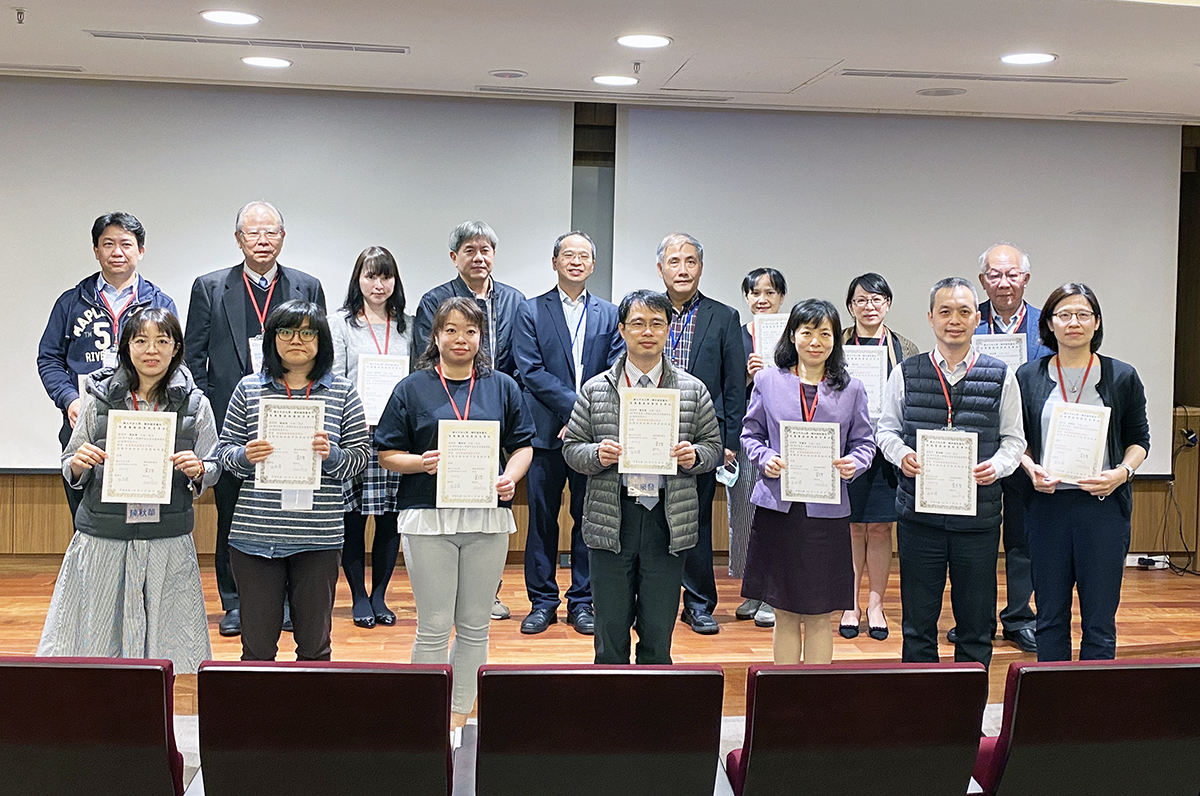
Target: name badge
256, 353
109, 358
296, 500
641, 485
136, 513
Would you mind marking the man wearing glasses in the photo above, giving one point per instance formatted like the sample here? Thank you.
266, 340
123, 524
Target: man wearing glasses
1004, 273
224, 342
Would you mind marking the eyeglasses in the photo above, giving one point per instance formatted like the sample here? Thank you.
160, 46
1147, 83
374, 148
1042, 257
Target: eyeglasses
658, 324
996, 277
142, 343
873, 301
270, 233
1065, 316
307, 335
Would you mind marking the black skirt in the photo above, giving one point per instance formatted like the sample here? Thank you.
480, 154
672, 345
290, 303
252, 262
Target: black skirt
799, 563
872, 495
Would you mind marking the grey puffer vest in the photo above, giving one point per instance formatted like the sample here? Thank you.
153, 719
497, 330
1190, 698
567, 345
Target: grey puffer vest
107, 520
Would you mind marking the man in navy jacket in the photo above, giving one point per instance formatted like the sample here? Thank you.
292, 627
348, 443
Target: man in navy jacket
560, 339
84, 329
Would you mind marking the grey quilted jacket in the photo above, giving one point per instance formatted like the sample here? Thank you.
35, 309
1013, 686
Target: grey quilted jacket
596, 418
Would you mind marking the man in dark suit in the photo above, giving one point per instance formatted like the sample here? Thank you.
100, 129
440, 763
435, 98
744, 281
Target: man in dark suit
224, 343
706, 341
561, 339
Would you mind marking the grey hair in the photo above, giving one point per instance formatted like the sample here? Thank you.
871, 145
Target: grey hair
983, 257
949, 283
680, 237
257, 203
470, 230
580, 233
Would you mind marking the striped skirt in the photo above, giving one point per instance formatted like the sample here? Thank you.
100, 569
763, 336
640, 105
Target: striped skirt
129, 599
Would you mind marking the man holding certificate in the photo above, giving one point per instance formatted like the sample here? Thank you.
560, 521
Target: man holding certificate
1085, 418
952, 423
641, 432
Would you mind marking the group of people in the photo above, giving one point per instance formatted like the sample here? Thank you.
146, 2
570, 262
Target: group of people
550, 370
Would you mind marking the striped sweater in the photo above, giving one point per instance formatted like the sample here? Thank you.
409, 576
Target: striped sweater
260, 526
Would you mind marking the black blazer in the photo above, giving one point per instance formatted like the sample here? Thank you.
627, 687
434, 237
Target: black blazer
218, 336
718, 358
1121, 390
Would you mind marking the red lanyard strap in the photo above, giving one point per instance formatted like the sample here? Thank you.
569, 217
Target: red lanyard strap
133, 395
464, 415
808, 414
307, 391
1062, 384
387, 334
116, 316
946, 389
1016, 324
262, 314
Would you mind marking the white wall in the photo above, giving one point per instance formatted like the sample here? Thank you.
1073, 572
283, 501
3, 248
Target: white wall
825, 198
346, 170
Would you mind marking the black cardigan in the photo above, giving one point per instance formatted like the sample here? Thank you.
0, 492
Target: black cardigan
1121, 390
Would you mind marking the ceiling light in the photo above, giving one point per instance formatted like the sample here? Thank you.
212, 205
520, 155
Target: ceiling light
231, 17
269, 63
615, 80
941, 92
1028, 59
508, 74
643, 41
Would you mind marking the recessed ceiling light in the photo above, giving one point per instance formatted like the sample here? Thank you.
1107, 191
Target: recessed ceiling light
231, 17
941, 92
615, 80
269, 63
643, 41
1028, 59
508, 74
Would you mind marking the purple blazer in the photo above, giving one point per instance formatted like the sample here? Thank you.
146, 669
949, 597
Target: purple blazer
776, 397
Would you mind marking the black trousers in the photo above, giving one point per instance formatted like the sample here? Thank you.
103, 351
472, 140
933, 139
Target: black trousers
1018, 613
639, 583
699, 582
926, 552
548, 474
308, 580
225, 494
1077, 542
74, 496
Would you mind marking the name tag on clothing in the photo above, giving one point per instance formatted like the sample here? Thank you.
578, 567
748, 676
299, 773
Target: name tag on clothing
109, 358
136, 513
296, 499
642, 485
256, 353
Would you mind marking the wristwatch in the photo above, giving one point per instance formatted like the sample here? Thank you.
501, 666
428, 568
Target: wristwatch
1129, 470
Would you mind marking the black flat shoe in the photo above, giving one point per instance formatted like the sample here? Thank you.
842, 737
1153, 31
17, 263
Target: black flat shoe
364, 621
385, 617
878, 633
848, 631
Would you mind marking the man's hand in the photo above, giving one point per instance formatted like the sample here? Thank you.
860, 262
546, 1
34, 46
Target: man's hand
985, 473
73, 411
730, 456
609, 452
685, 454
909, 466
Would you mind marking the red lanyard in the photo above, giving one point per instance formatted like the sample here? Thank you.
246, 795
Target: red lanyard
262, 314
133, 395
387, 334
945, 389
465, 415
116, 316
808, 415
1016, 324
307, 392
1062, 383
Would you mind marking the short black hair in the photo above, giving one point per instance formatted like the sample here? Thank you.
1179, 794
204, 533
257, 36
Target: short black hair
1060, 293
648, 299
123, 220
469, 309
777, 280
870, 282
812, 312
291, 315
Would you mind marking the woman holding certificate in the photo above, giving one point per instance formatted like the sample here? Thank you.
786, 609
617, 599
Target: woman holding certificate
765, 290
372, 328
294, 432
129, 586
873, 494
443, 428
808, 431
1085, 424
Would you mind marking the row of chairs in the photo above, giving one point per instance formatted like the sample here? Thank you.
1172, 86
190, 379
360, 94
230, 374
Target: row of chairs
102, 726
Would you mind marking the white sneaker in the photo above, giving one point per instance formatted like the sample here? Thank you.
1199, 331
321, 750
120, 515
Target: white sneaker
764, 616
500, 611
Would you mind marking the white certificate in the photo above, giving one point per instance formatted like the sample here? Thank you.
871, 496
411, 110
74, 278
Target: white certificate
290, 427
469, 464
138, 468
1076, 443
378, 375
809, 449
649, 431
868, 364
946, 484
1008, 348
767, 331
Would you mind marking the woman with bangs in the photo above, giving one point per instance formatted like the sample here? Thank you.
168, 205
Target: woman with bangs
129, 586
372, 322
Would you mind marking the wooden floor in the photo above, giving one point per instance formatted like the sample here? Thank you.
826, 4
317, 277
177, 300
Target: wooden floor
1159, 615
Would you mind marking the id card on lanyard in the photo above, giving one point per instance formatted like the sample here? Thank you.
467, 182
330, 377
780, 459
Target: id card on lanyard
255, 343
108, 358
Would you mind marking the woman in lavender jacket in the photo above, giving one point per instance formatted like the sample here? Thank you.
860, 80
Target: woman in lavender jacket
799, 558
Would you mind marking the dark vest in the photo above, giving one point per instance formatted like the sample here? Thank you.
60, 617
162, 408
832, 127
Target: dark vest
107, 520
976, 400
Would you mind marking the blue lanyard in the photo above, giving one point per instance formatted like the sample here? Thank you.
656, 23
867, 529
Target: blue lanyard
579, 324
676, 340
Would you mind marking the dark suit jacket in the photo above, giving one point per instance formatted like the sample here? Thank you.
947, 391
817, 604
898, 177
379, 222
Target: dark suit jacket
218, 335
718, 358
541, 345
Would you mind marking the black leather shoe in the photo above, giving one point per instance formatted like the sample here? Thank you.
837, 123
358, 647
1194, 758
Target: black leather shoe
700, 622
287, 618
364, 621
952, 635
385, 617
583, 620
538, 620
231, 623
1023, 638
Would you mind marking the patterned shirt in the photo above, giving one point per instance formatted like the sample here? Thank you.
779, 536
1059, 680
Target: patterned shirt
683, 326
